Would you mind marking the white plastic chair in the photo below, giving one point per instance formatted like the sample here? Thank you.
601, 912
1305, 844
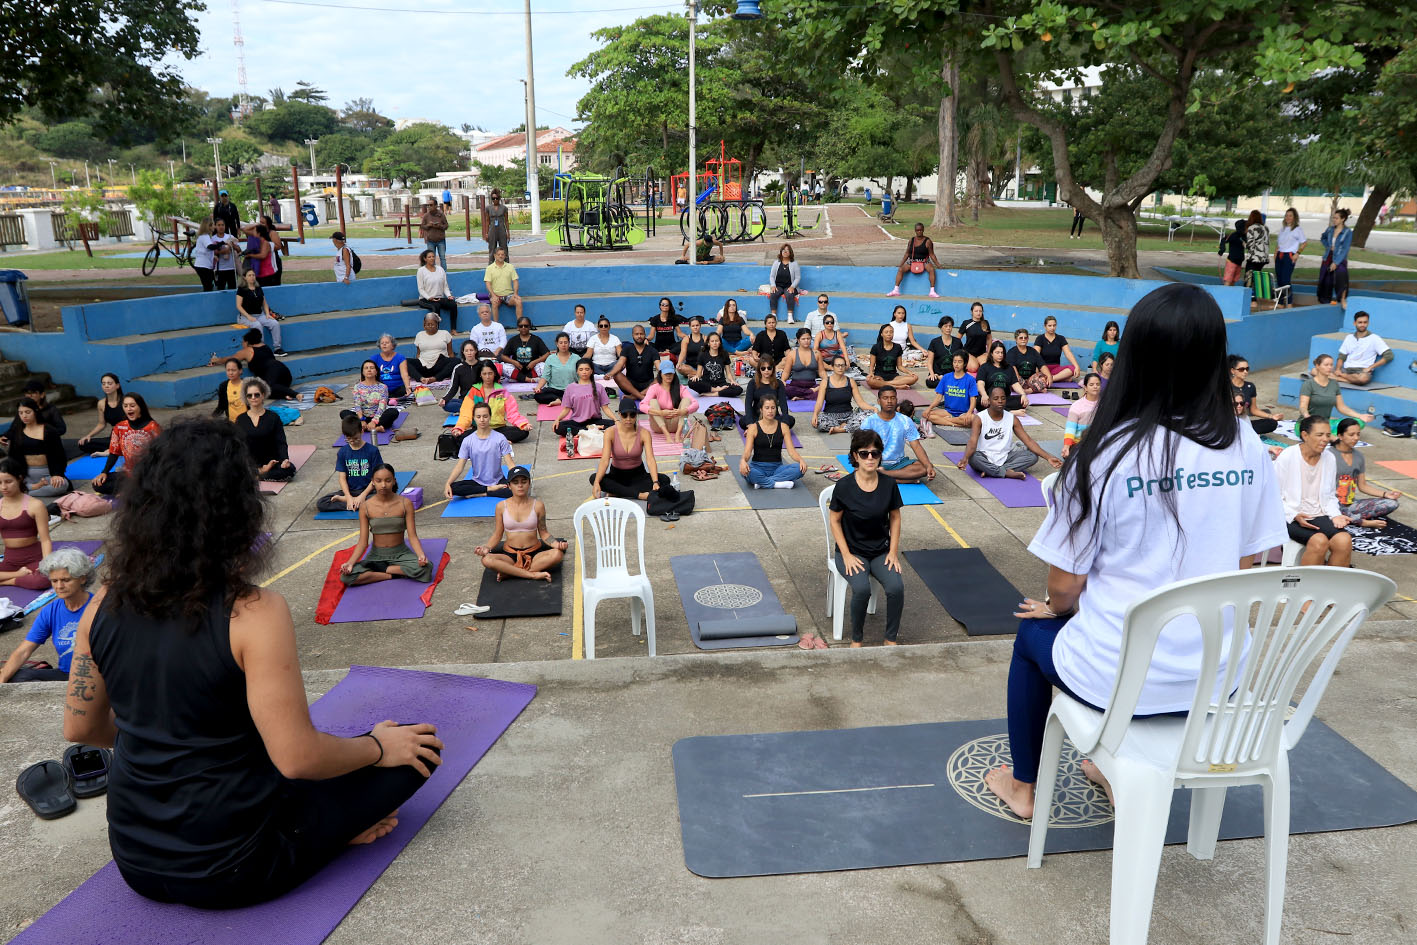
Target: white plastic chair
836, 581
609, 519
1049, 481
1246, 740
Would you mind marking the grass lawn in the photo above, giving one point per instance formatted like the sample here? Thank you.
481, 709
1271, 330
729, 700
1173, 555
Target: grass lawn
1048, 229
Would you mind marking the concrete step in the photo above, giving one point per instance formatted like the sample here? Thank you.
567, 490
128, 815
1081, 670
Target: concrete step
195, 384
1399, 401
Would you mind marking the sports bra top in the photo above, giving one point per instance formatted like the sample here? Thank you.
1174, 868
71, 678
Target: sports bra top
519, 526
803, 372
386, 524
620, 456
832, 347
21, 526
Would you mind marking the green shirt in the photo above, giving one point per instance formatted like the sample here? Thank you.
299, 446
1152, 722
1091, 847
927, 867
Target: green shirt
1322, 400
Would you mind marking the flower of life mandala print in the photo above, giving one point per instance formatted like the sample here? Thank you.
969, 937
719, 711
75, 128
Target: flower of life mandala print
1077, 802
728, 596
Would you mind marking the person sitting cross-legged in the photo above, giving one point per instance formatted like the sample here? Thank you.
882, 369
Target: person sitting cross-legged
627, 468
264, 434
1307, 474
384, 517
484, 448
896, 431
1351, 468
954, 400
69, 572
764, 443
354, 464
833, 411
668, 402
992, 450
521, 546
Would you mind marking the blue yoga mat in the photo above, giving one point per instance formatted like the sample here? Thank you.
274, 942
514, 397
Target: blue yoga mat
86, 467
470, 713
402, 478
478, 506
911, 493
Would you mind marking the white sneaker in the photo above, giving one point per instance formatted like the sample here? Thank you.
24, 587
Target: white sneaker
57, 519
470, 610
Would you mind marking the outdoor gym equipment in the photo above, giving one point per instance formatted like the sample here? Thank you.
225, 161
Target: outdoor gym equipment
791, 224
598, 212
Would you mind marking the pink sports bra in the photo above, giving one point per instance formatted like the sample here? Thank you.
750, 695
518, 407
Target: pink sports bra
622, 458
526, 526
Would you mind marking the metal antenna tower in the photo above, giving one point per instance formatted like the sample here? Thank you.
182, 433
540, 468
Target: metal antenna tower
244, 107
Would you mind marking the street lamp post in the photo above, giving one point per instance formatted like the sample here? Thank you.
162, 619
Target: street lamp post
88, 184
171, 171
53, 178
312, 142
533, 184
216, 158
133, 172
111, 162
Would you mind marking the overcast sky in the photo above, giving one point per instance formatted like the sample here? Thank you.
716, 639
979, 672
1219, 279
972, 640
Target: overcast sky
441, 65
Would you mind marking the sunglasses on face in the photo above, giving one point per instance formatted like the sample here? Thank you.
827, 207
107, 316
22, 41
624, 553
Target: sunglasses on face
821, 301
1243, 370
868, 454
254, 395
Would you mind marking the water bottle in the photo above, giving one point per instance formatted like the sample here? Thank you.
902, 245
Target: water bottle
674, 480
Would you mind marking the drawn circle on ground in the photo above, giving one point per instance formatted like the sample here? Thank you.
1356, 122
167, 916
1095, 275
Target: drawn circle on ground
1077, 802
728, 596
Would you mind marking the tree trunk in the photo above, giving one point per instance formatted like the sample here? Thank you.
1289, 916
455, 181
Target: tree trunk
945, 213
909, 189
1119, 234
1369, 215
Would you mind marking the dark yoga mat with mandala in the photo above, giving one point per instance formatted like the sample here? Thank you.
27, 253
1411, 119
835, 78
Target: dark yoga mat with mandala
1395, 539
814, 802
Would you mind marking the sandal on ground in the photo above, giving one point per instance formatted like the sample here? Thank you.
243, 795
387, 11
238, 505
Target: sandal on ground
836, 476
471, 610
820, 643
87, 768
805, 643
669, 517
44, 786
823, 469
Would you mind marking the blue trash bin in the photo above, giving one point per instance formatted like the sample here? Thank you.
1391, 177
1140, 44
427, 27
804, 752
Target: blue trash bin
310, 217
868, 195
886, 204
13, 298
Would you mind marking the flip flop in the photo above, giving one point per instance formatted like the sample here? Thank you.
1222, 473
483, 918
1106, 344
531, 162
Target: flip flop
670, 517
836, 476
824, 469
87, 767
805, 643
470, 610
44, 786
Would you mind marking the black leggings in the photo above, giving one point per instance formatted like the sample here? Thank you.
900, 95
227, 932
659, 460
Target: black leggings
386, 419
208, 280
470, 487
334, 502
442, 305
629, 483
1264, 425
572, 427
111, 483
225, 279
548, 394
703, 387
513, 434
277, 473
441, 370
1076, 228
311, 823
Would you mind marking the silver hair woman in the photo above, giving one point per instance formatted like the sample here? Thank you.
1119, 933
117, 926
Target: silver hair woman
70, 572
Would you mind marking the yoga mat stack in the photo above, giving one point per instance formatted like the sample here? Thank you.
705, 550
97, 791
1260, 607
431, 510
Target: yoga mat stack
470, 713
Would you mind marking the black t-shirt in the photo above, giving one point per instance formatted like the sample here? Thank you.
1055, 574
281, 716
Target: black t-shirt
663, 335
715, 368
1026, 362
526, 351
991, 377
865, 519
731, 329
640, 366
941, 357
976, 335
776, 346
887, 360
253, 301
1245, 390
1052, 351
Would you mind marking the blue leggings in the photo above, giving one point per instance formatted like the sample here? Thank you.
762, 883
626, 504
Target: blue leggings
766, 474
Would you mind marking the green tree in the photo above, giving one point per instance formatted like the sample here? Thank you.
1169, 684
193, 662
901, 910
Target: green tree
293, 121
871, 136
360, 115
57, 54
509, 180
1387, 126
158, 199
72, 139
416, 153
308, 93
1171, 43
345, 148
240, 153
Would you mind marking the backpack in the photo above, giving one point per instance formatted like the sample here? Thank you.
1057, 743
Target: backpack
83, 504
446, 446
355, 262
658, 505
1394, 425
721, 417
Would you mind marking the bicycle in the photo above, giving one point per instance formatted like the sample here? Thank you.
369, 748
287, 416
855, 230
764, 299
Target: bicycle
180, 250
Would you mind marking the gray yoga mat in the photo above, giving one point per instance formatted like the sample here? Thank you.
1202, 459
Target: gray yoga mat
970, 589
955, 436
798, 497
730, 587
814, 802
771, 626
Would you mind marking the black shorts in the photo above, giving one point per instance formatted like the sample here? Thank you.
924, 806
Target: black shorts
1323, 523
501, 549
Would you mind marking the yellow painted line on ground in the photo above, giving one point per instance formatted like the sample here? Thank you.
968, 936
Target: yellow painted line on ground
1386, 486
953, 534
577, 614
318, 551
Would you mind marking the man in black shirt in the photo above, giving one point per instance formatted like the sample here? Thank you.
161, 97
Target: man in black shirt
976, 336
635, 371
226, 211
942, 351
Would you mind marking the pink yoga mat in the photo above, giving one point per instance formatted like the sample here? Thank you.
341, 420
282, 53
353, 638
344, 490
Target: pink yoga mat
399, 599
299, 456
385, 438
470, 713
1024, 493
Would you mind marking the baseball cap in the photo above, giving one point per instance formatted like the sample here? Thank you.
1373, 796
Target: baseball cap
666, 366
519, 472
628, 407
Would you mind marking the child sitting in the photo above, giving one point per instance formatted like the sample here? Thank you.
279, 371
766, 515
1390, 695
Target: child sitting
355, 462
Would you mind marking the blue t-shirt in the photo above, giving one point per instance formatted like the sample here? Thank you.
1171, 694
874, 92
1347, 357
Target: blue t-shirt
358, 465
58, 621
894, 435
389, 374
958, 392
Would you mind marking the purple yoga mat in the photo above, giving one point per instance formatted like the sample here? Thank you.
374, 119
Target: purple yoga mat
1024, 493
399, 599
23, 596
385, 438
1061, 410
1046, 400
801, 406
471, 714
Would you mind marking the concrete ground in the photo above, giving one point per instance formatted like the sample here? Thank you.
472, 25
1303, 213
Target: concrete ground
568, 832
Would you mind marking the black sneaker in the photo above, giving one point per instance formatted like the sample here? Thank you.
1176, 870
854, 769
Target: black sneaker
280, 353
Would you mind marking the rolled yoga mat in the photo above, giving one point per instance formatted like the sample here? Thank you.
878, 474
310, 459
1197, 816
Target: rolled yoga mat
470, 713
86, 467
814, 802
1026, 493
970, 589
384, 439
729, 587
771, 626
511, 597
398, 599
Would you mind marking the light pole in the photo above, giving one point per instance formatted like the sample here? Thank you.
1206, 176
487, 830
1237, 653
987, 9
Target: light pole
312, 142
88, 184
746, 10
111, 162
216, 158
533, 185
133, 172
171, 171
53, 178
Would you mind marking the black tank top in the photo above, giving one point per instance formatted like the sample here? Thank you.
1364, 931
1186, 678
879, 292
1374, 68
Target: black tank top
837, 399
113, 414
767, 447
920, 251
691, 352
731, 331
191, 785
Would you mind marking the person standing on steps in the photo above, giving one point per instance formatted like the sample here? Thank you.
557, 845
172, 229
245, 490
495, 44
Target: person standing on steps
919, 257
433, 226
494, 223
1333, 271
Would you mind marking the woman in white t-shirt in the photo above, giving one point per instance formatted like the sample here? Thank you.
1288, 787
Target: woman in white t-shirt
1169, 485
435, 360
1291, 246
602, 348
434, 292
203, 260
579, 331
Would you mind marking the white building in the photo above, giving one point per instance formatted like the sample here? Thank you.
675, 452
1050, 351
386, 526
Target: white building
500, 151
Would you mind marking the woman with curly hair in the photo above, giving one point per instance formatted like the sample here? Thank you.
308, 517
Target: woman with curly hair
223, 793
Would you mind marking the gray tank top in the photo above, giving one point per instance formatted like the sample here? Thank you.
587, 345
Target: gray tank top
804, 372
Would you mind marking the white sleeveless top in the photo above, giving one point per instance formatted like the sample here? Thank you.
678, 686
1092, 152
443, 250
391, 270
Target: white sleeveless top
341, 270
996, 437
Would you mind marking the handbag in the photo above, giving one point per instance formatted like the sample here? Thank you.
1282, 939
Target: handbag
590, 441
83, 504
424, 397
446, 446
917, 267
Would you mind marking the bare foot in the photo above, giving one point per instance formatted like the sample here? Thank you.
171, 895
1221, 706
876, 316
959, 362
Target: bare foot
837, 430
1016, 794
890, 643
855, 645
1095, 775
382, 829
541, 575
1013, 474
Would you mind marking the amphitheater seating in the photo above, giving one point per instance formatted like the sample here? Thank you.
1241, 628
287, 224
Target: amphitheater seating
1396, 322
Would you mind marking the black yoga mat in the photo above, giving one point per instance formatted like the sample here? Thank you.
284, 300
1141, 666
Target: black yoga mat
721, 589
515, 597
798, 497
909, 794
970, 588
1395, 539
